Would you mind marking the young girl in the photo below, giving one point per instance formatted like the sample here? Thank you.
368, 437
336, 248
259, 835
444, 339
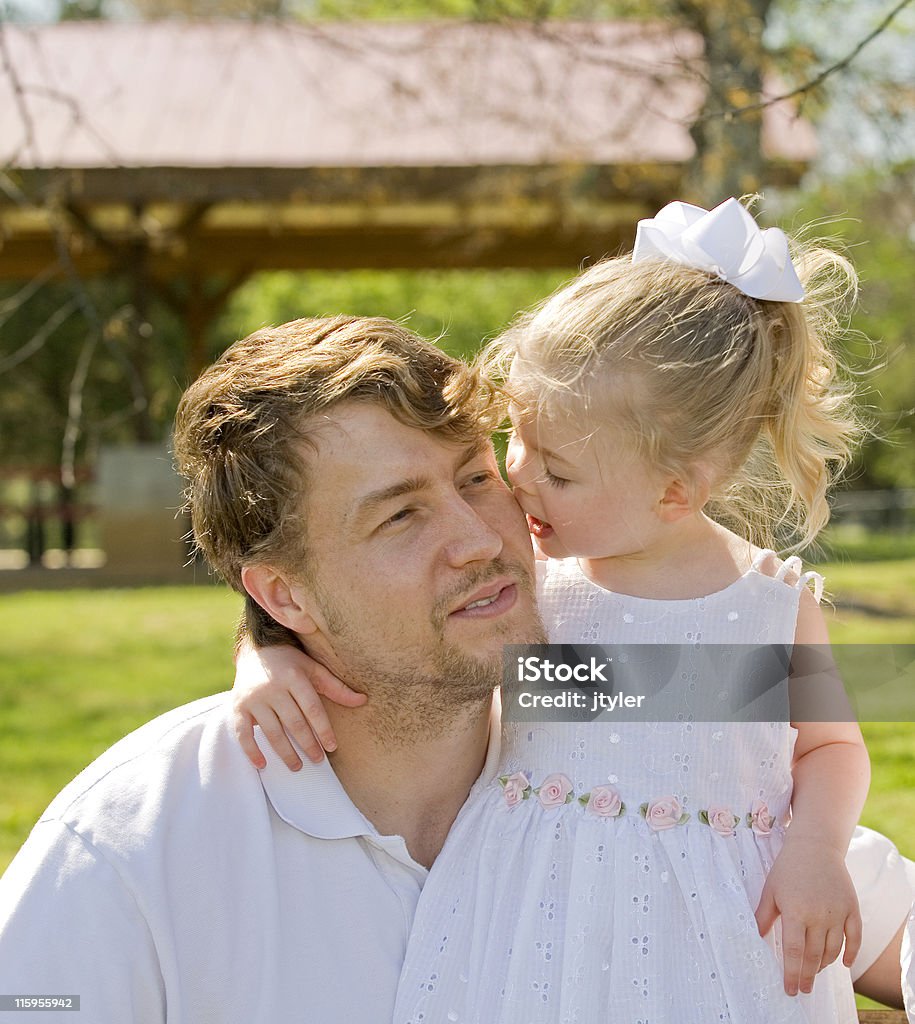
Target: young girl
674, 415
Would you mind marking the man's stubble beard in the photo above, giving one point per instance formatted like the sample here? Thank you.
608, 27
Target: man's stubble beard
424, 699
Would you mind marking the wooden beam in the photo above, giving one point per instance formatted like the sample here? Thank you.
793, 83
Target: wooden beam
232, 220
322, 185
248, 251
370, 185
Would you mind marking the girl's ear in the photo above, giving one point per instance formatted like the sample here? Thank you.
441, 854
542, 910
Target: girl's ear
681, 499
281, 599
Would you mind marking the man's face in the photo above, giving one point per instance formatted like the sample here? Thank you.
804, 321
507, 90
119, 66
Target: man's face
421, 565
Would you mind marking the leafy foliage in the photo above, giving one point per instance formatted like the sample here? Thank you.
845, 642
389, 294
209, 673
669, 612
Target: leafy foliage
873, 216
461, 307
140, 365
136, 374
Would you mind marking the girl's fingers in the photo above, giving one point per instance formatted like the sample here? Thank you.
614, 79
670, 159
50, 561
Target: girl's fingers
793, 952
766, 912
834, 939
273, 729
301, 723
243, 724
814, 945
852, 937
335, 689
308, 723
802, 949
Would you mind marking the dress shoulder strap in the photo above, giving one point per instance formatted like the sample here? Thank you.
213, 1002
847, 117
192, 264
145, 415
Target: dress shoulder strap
790, 571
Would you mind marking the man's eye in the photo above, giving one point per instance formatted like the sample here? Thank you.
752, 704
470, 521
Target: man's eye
398, 517
480, 478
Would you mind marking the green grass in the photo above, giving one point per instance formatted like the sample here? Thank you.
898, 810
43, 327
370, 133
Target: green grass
79, 669
891, 802
852, 543
874, 603
882, 590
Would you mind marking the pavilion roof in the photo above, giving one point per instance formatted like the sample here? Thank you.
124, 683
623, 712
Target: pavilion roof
180, 151
178, 94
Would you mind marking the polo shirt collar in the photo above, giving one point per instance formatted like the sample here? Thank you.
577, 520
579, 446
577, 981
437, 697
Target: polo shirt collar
314, 801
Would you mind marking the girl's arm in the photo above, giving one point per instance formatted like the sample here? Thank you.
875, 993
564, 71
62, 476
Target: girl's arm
809, 885
277, 688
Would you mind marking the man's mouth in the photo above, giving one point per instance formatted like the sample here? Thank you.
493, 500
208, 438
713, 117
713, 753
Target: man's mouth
489, 601
538, 528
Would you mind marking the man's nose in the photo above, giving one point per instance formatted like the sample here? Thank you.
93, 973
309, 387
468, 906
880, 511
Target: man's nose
470, 537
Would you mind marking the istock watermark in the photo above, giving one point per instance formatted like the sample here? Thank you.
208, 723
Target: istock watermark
709, 682
536, 669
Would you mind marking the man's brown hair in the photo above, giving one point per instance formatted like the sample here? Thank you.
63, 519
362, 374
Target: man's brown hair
241, 426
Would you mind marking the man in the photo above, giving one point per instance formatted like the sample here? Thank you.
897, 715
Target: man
340, 474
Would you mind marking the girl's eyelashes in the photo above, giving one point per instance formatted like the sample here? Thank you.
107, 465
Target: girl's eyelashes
553, 480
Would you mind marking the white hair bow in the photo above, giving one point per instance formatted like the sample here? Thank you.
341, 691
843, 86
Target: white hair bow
725, 241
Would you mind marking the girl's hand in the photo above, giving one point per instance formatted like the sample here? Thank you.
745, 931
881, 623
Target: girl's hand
277, 688
810, 888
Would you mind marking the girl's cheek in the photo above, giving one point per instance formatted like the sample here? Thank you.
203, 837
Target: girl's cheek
513, 466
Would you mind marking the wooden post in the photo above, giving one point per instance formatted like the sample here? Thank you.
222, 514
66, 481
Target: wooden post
197, 320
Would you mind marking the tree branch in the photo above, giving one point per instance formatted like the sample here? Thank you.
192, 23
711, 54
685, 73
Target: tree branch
28, 125
38, 339
839, 65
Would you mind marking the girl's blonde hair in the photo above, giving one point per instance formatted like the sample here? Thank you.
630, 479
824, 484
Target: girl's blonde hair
744, 393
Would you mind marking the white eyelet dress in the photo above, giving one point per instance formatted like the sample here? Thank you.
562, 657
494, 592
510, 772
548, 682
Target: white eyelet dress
908, 966
610, 875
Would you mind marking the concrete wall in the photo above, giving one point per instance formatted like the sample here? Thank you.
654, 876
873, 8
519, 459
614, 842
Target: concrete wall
138, 495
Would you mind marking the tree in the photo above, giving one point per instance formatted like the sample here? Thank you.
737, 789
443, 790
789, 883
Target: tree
729, 159
98, 362
880, 238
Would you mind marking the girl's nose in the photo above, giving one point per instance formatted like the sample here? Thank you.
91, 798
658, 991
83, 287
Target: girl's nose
519, 467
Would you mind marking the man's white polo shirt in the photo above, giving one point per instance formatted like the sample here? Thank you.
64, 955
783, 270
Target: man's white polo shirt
170, 881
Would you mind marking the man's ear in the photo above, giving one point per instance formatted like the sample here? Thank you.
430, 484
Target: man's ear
282, 600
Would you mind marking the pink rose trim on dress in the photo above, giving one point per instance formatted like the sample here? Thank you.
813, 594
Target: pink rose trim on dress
664, 813
554, 791
515, 788
722, 819
759, 819
604, 801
